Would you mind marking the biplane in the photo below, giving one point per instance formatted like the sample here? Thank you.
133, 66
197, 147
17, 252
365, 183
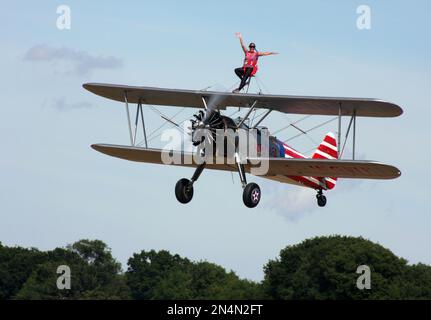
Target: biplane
285, 164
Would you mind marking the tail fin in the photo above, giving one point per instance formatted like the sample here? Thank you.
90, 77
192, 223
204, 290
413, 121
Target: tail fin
328, 150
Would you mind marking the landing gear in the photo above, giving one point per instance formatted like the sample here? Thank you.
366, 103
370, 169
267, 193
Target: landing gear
184, 187
184, 190
251, 195
251, 192
321, 199
213, 120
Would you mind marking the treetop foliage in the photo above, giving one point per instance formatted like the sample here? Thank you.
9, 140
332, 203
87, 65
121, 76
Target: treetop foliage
318, 268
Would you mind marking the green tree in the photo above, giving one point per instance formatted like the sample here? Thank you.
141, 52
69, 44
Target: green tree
416, 284
95, 274
325, 268
16, 265
318, 268
161, 275
210, 281
147, 269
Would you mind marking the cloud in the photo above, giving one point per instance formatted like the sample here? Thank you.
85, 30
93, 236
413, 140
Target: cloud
62, 104
82, 61
291, 202
295, 202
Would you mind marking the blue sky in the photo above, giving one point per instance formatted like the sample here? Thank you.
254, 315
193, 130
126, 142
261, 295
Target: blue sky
55, 189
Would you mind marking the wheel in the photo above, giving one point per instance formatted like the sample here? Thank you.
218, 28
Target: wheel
321, 200
184, 190
251, 195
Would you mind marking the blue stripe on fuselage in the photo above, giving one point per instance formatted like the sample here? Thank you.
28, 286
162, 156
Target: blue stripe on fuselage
277, 145
281, 146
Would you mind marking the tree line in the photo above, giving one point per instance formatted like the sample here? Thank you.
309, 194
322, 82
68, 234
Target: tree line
318, 268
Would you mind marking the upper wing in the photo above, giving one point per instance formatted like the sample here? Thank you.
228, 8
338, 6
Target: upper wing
282, 103
276, 166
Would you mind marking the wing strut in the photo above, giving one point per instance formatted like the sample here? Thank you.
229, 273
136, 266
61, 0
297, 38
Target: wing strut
247, 115
352, 121
128, 117
339, 126
262, 118
354, 134
139, 112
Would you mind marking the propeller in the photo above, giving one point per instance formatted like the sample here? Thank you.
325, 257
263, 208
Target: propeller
209, 119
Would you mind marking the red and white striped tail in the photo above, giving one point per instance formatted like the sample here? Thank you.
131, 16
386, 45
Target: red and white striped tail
328, 150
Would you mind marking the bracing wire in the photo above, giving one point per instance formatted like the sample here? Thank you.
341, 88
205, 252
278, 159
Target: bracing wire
311, 129
292, 124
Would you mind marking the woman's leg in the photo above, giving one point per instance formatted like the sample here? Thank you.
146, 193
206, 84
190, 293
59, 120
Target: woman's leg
244, 79
239, 72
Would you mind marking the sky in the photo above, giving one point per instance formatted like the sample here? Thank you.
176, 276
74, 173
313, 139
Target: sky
56, 190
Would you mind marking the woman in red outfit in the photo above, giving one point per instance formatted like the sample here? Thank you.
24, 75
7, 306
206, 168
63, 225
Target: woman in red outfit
249, 67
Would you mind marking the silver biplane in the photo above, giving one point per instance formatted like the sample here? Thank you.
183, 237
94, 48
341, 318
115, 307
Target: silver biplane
285, 164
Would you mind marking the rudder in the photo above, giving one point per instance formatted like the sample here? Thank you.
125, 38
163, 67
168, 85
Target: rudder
328, 150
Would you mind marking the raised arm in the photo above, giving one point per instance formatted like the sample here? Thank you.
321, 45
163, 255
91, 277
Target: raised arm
239, 36
267, 53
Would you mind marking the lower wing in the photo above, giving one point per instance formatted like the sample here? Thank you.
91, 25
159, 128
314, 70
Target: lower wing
356, 169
